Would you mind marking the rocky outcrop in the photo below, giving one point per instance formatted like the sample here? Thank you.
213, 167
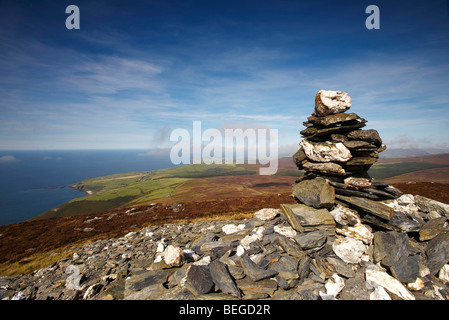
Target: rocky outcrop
304, 253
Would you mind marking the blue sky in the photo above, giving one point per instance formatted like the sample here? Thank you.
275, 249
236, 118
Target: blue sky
136, 70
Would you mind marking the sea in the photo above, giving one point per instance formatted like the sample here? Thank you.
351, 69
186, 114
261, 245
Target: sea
32, 182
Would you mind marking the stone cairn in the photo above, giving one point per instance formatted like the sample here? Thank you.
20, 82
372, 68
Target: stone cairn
336, 155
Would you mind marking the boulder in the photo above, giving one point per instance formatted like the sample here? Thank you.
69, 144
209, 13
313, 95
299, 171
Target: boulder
331, 102
325, 151
317, 193
173, 256
390, 246
350, 250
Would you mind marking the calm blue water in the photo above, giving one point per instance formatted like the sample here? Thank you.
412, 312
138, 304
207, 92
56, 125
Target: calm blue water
26, 175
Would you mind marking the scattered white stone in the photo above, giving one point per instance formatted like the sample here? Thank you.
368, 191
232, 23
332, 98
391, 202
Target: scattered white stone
256, 258
406, 203
75, 256
350, 250
345, 216
73, 280
240, 250
161, 245
19, 296
93, 219
359, 232
174, 256
149, 233
417, 285
325, 296
334, 285
286, 231
130, 234
259, 232
204, 261
232, 228
266, 214
424, 271
379, 293
406, 199
444, 273
433, 215
91, 291
246, 241
159, 258
376, 277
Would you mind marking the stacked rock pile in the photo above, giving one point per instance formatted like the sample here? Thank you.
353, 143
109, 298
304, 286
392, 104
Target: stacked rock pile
258, 258
337, 149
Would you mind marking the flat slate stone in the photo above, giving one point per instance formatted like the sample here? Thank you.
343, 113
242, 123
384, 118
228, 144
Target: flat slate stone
437, 252
266, 286
406, 269
373, 207
328, 168
308, 217
312, 239
428, 205
432, 228
200, 279
317, 193
255, 272
222, 278
332, 119
390, 246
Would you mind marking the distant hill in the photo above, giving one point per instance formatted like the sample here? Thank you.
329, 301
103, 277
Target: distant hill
409, 152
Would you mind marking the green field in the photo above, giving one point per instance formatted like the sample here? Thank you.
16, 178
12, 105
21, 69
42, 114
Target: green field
133, 188
388, 170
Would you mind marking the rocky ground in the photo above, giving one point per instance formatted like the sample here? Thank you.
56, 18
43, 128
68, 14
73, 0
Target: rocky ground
338, 255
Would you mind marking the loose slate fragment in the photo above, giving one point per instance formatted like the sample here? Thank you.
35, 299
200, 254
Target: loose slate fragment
437, 252
200, 279
406, 269
383, 279
312, 239
253, 271
222, 278
428, 205
433, 228
390, 246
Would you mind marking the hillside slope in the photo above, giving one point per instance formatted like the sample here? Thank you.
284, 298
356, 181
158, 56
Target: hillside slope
197, 182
